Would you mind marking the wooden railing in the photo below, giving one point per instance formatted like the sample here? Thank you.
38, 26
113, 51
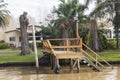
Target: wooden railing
96, 56
67, 45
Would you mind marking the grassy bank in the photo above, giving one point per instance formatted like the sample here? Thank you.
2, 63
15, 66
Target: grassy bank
110, 55
9, 55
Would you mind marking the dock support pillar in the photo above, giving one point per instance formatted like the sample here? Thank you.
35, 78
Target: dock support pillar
57, 66
71, 65
78, 65
52, 61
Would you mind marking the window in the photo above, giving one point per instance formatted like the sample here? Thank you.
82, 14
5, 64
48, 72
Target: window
20, 39
37, 36
12, 38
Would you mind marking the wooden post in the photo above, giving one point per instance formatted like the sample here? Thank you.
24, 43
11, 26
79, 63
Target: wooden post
35, 48
96, 61
77, 34
67, 44
78, 65
57, 66
80, 44
52, 61
71, 65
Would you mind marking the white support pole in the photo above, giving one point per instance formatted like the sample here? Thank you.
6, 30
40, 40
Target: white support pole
35, 47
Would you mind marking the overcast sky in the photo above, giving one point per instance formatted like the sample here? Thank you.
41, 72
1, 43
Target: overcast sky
36, 8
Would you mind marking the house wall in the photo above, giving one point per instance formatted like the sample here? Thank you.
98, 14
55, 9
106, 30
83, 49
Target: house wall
15, 34
2, 34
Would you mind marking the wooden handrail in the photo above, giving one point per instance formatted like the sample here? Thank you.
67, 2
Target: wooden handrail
97, 55
66, 47
93, 58
65, 39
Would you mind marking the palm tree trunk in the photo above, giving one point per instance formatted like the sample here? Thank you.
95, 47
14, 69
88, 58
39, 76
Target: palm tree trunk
65, 33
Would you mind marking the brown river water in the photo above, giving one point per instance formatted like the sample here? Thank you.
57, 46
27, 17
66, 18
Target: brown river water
45, 73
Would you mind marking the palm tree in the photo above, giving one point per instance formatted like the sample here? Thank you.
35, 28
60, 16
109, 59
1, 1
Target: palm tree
65, 13
111, 7
4, 15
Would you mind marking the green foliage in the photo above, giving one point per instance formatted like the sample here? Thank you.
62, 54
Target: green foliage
2, 41
4, 15
103, 39
40, 45
106, 44
65, 13
111, 44
83, 32
3, 45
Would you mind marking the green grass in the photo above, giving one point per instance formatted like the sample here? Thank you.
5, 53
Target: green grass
110, 55
10, 55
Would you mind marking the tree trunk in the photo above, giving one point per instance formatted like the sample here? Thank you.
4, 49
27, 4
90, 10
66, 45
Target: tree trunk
24, 36
65, 33
94, 39
117, 23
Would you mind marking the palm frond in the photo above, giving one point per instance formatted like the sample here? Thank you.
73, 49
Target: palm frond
4, 15
100, 9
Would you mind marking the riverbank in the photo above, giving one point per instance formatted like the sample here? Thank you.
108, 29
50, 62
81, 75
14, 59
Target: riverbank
10, 57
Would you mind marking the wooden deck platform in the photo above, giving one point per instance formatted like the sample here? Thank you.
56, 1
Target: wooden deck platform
71, 48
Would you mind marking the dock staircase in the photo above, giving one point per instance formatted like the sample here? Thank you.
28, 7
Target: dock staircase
72, 49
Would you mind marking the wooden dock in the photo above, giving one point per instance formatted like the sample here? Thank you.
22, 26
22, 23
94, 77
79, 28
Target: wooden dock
71, 48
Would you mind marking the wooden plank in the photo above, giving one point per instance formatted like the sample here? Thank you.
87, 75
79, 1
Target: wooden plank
76, 46
68, 56
65, 39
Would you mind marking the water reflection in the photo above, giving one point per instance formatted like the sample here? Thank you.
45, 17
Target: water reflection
111, 75
29, 73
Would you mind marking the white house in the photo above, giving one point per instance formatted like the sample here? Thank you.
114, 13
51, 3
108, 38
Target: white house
109, 31
11, 34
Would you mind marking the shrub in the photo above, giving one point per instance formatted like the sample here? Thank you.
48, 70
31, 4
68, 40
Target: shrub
40, 45
4, 45
111, 44
2, 41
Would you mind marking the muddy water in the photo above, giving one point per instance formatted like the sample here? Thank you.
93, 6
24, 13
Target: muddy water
29, 73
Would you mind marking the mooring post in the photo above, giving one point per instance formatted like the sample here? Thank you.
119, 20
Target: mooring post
35, 49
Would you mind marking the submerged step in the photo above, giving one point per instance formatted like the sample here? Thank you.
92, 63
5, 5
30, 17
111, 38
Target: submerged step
91, 64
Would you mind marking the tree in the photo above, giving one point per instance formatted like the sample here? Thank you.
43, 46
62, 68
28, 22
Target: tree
24, 36
111, 7
4, 15
117, 22
66, 12
95, 43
